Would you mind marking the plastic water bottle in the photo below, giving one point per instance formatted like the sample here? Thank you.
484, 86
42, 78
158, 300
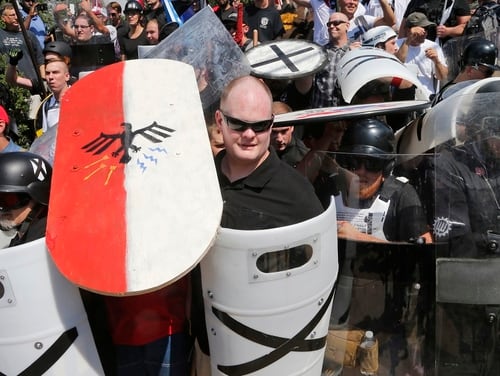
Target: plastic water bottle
369, 362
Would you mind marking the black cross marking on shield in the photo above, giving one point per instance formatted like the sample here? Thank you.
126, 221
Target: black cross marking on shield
52, 355
281, 345
285, 58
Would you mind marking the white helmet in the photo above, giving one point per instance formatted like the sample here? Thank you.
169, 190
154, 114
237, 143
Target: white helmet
376, 35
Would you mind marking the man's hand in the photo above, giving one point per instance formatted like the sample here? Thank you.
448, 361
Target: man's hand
33, 10
416, 35
15, 55
431, 53
85, 5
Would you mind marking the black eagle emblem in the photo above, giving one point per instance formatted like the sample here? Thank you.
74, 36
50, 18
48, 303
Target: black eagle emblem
154, 132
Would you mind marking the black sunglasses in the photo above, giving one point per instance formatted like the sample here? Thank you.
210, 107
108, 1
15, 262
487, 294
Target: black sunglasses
355, 163
335, 23
240, 125
13, 200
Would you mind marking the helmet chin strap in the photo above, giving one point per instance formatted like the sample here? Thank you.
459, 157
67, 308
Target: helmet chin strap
34, 213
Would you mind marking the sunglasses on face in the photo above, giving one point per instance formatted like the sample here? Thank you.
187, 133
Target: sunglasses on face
12, 201
355, 163
240, 125
335, 23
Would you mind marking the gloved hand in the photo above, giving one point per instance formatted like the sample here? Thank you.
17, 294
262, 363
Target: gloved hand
14, 56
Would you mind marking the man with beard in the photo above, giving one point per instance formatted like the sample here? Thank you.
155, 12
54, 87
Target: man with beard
24, 195
367, 149
11, 38
383, 209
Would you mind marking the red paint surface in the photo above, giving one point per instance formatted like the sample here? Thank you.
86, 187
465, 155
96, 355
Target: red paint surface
86, 229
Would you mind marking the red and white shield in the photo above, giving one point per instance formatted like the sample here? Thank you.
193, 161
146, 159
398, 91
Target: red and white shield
135, 202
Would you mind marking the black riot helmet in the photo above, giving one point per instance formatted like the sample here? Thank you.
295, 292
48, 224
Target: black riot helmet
369, 137
133, 6
24, 172
60, 48
480, 52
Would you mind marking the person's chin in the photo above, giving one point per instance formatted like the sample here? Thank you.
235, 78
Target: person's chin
7, 225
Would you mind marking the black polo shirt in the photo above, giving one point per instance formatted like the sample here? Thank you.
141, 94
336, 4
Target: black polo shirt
273, 195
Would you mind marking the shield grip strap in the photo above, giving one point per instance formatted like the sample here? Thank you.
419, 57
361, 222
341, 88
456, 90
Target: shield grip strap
52, 355
282, 345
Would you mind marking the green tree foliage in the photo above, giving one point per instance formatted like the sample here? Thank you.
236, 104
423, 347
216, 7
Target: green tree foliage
18, 100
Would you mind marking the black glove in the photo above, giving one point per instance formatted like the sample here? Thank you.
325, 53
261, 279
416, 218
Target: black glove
14, 56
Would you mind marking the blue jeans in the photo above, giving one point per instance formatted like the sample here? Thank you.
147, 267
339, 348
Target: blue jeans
165, 357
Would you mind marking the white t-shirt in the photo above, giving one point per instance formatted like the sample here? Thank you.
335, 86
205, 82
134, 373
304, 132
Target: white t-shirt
321, 15
417, 61
373, 8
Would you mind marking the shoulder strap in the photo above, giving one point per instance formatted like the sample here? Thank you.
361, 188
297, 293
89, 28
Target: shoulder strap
391, 185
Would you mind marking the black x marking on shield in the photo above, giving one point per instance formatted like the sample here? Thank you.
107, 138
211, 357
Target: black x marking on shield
281, 345
285, 58
52, 355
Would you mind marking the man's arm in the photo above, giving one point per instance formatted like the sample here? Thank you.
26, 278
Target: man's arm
440, 69
455, 31
11, 76
388, 18
99, 25
304, 3
415, 33
32, 13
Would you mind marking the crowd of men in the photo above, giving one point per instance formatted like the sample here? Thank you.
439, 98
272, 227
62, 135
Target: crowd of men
272, 175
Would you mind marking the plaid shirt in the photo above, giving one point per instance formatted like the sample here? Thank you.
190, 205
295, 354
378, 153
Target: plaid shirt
325, 90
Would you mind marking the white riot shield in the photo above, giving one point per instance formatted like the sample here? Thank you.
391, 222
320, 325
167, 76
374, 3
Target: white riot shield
43, 324
440, 124
360, 66
264, 318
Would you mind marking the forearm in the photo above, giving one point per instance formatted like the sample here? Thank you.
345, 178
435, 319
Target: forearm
402, 52
389, 18
304, 3
456, 31
13, 79
11, 75
27, 22
440, 70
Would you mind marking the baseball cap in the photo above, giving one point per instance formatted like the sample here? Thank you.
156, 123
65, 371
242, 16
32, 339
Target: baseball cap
418, 19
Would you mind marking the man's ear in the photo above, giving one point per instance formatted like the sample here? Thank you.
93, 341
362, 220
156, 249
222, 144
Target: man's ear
218, 119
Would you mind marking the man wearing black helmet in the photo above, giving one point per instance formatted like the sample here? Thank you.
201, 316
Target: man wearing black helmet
24, 195
385, 209
464, 201
367, 149
477, 61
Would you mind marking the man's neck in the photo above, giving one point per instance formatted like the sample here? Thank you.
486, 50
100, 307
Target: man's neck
338, 42
261, 4
59, 94
236, 170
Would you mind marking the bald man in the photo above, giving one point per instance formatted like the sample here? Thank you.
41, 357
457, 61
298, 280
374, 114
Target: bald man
259, 190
